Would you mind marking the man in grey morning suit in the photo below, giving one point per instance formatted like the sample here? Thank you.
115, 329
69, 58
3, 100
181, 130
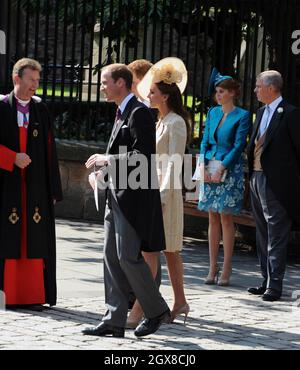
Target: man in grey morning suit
274, 168
133, 217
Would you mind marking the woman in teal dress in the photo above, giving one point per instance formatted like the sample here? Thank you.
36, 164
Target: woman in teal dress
224, 138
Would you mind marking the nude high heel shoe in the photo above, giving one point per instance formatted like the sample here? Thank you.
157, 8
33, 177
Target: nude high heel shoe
214, 279
135, 316
132, 324
225, 281
185, 309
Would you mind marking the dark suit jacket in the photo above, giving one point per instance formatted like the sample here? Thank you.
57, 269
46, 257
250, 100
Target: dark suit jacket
280, 158
141, 207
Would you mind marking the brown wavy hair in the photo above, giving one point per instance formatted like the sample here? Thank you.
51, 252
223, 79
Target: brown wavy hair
175, 104
231, 85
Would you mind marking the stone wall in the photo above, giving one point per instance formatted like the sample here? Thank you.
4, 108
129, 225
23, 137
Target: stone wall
78, 195
3, 26
79, 202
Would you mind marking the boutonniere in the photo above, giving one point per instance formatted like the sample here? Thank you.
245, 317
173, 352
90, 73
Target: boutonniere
280, 110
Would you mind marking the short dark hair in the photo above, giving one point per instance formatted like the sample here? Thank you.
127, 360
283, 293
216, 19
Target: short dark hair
24, 63
119, 70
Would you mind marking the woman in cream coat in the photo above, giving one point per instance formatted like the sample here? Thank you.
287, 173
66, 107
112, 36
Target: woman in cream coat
171, 137
164, 84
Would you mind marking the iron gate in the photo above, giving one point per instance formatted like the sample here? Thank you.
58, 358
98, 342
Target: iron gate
73, 39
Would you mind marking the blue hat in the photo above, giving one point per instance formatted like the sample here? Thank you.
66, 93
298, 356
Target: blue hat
215, 79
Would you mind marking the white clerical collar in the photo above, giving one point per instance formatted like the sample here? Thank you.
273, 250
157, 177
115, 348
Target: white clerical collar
125, 101
22, 102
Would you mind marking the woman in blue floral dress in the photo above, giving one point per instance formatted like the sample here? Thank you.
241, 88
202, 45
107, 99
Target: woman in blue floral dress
224, 139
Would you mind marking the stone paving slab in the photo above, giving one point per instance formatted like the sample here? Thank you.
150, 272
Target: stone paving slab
210, 325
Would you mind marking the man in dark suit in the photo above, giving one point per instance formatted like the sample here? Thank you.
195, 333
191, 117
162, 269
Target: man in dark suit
133, 217
274, 169
139, 68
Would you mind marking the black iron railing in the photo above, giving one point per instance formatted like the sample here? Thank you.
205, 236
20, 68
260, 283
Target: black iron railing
73, 39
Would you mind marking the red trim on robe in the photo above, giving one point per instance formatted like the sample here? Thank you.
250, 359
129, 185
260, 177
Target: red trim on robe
7, 158
24, 277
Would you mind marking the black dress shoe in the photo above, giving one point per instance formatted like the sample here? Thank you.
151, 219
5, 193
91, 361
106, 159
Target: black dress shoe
257, 291
149, 326
104, 329
28, 307
271, 295
37, 307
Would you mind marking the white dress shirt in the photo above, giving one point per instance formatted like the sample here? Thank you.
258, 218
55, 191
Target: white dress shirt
267, 116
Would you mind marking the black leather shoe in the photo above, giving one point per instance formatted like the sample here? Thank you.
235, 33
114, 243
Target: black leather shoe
28, 307
271, 295
104, 329
149, 326
257, 291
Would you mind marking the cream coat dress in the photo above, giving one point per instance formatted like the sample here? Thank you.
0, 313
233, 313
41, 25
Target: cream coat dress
170, 147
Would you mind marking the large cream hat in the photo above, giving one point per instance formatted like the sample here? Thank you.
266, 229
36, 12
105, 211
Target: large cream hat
169, 70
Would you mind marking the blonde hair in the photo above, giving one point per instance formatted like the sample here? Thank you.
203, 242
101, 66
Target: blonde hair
24, 63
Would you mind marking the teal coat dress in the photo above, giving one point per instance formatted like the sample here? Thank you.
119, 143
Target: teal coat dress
226, 144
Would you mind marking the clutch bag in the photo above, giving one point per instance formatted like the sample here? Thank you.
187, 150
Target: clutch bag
213, 166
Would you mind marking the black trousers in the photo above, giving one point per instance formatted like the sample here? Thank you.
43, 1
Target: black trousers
273, 230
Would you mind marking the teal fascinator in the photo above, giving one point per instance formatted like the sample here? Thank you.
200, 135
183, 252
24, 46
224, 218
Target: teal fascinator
215, 79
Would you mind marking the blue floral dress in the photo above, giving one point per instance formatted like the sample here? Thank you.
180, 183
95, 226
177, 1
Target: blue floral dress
226, 197
225, 143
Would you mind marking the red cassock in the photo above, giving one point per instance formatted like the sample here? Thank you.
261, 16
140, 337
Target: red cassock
24, 277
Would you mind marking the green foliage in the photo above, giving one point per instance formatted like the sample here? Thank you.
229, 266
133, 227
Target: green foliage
112, 12
117, 16
119, 19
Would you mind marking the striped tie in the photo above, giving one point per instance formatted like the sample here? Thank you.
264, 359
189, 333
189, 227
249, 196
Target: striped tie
115, 127
118, 115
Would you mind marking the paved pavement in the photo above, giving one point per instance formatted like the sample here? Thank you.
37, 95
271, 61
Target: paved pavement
220, 317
